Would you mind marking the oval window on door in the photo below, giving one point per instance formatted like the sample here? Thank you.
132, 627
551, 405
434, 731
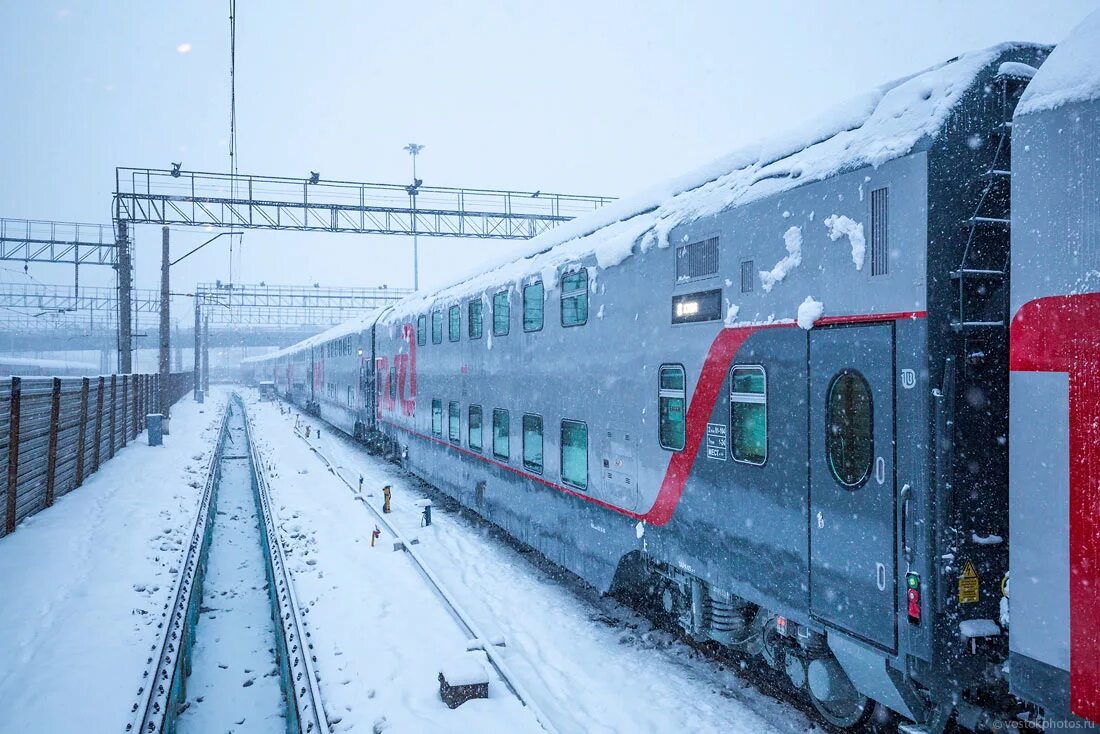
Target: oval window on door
849, 429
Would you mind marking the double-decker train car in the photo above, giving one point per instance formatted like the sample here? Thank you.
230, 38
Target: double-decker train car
769, 400
1055, 383
33, 366
329, 375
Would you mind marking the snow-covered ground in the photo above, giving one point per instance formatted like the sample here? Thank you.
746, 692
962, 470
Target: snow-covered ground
84, 583
381, 636
234, 683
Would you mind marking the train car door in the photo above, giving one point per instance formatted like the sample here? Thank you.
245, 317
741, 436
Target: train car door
852, 528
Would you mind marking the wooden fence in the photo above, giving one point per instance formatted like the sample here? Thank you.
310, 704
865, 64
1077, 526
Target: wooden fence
58, 431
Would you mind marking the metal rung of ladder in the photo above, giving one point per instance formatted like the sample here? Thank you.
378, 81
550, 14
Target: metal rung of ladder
959, 326
976, 273
989, 221
997, 173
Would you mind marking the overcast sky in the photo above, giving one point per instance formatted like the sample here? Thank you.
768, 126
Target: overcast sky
579, 97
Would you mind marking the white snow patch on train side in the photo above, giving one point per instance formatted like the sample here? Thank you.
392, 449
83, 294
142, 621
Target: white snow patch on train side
792, 240
731, 313
809, 311
1070, 74
842, 226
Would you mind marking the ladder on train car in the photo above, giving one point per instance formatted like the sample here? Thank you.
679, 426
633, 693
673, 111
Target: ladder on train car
985, 259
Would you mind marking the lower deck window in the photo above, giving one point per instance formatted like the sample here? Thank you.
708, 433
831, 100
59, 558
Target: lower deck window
574, 454
437, 417
501, 433
474, 428
749, 414
532, 442
454, 423
672, 407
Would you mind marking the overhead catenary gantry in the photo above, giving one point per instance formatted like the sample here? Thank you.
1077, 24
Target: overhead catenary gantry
232, 201
301, 311
40, 241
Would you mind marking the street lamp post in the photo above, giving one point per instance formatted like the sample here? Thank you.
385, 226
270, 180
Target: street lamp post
413, 149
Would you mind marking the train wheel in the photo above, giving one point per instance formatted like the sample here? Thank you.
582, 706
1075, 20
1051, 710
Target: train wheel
834, 696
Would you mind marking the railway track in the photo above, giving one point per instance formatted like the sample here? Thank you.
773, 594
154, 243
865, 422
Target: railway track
162, 695
762, 678
461, 617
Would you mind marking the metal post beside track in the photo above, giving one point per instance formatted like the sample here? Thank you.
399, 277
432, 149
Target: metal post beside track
13, 451
51, 451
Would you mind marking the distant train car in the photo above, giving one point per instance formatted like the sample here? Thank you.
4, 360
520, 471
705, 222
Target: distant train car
1055, 357
771, 399
329, 375
30, 367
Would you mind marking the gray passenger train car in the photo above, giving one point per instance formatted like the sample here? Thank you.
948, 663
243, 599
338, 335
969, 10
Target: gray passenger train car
1055, 354
768, 400
774, 402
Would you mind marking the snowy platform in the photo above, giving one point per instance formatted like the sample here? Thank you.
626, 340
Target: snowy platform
86, 581
381, 636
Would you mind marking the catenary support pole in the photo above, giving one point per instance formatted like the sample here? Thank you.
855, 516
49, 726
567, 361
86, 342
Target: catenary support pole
198, 347
125, 280
165, 323
206, 354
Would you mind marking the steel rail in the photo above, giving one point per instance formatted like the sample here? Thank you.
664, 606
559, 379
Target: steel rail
162, 678
465, 622
304, 690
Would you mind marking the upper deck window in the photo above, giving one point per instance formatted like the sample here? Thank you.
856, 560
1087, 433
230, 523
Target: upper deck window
501, 313
473, 318
437, 327
533, 311
574, 298
454, 326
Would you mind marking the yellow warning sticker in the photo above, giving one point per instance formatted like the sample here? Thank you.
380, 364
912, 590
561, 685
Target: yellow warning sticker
969, 584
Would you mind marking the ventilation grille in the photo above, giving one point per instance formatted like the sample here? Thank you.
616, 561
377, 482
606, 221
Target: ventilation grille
746, 276
697, 260
880, 245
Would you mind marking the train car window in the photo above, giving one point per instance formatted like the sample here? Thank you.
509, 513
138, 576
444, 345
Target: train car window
454, 324
421, 330
749, 413
474, 326
437, 417
350, 396
473, 427
454, 423
532, 442
574, 298
501, 313
501, 433
574, 454
393, 383
437, 327
849, 428
672, 407
534, 296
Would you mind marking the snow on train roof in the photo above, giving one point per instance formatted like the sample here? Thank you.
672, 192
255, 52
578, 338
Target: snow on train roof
348, 327
869, 130
1070, 74
7, 362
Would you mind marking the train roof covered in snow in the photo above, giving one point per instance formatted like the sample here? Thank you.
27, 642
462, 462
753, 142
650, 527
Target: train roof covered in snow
346, 328
1070, 74
886, 123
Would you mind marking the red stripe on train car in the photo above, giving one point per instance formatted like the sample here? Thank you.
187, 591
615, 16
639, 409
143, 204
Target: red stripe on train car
1062, 334
718, 360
